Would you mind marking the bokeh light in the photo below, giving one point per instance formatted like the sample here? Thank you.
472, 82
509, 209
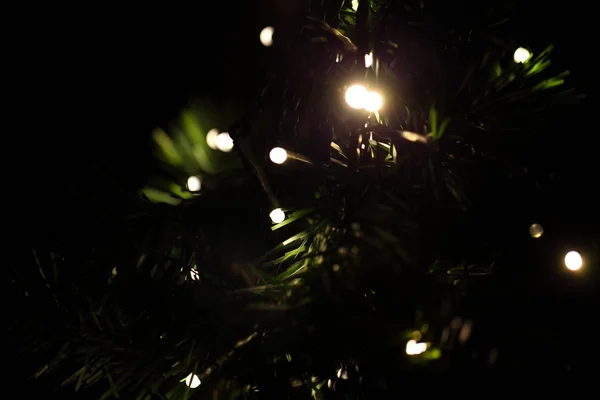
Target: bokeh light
211, 139
224, 142
266, 36
278, 155
373, 102
536, 231
194, 184
355, 96
573, 261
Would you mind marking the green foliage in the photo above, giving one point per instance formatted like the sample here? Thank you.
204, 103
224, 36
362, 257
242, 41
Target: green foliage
359, 251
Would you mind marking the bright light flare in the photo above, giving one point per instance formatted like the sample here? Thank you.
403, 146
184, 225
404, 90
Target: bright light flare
277, 216
278, 155
358, 97
368, 60
573, 261
266, 36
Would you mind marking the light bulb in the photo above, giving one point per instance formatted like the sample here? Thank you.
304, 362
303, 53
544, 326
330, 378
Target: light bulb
277, 215
368, 60
414, 348
278, 155
224, 142
194, 184
372, 102
573, 260
192, 381
355, 96
521, 55
211, 139
536, 231
266, 36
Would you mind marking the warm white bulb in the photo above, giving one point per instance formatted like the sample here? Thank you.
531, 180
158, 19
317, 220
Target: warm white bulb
194, 184
414, 348
224, 142
521, 55
278, 155
368, 60
372, 102
355, 96
192, 381
211, 139
573, 260
536, 231
266, 36
277, 215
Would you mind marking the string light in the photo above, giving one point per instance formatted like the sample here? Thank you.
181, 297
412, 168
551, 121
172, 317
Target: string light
277, 215
355, 96
278, 155
368, 60
521, 55
358, 97
211, 139
536, 231
192, 381
413, 348
194, 184
266, 36
224, 142
573, 261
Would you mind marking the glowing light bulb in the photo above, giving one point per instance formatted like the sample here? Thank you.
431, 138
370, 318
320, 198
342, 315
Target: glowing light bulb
277, 215
192, 381
211, 139
278, 155
536, 231
573, 261
355, 96
372, 102
368, 60
414, 348
266, 36
194, 184
521, 55
224, 142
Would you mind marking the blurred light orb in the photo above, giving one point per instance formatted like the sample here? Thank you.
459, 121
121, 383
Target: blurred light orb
277, 216
192, 381
521, 55
266, 36
373, 102
278, 155
194, 184
355, 5
224, 142
355, 96
536, 231
211, 139
573, 260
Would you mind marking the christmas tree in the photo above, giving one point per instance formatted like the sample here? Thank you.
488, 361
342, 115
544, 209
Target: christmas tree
320, 246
